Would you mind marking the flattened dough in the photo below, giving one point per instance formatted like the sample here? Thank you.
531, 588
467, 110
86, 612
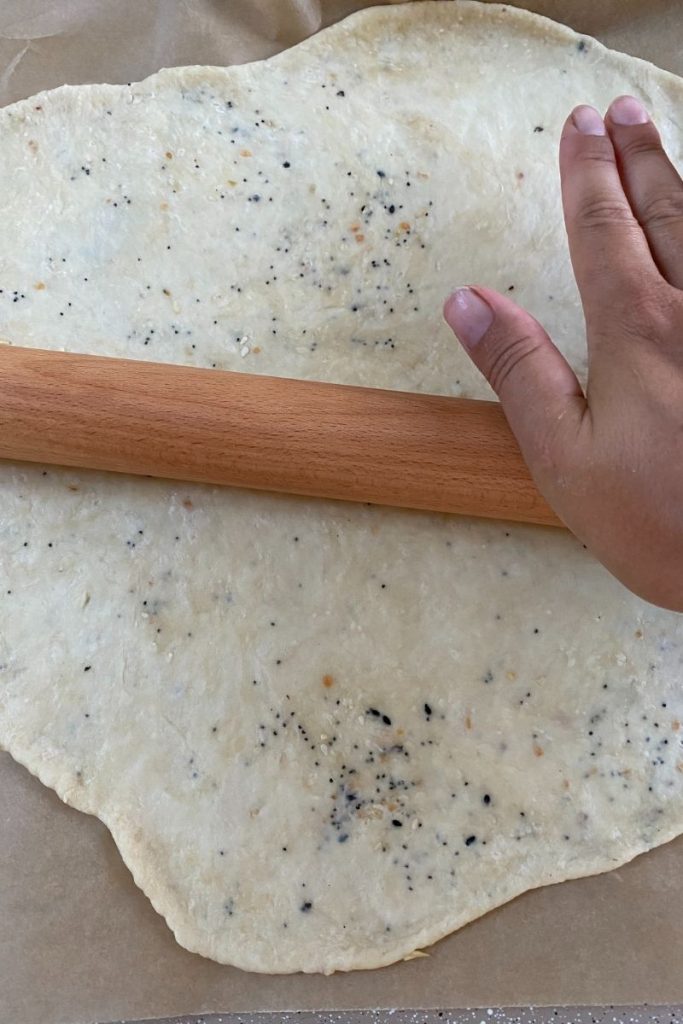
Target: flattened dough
322, 735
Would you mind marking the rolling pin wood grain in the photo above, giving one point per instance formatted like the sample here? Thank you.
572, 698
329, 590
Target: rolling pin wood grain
268, 433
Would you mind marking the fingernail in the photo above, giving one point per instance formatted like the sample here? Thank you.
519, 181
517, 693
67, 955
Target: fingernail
468, 315
588, 121
628, 110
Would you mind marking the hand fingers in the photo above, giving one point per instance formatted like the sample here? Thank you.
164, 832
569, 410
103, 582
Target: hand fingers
651, 182
608, 248
539, 392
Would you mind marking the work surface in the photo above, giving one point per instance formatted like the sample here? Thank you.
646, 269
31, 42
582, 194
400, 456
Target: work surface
79, 942
517, 1015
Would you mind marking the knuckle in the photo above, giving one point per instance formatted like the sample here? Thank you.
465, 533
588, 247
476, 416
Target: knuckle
643, 142
506, 357
592, 149
663, 209
600, 211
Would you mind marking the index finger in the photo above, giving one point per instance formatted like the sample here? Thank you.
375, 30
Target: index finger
609, 251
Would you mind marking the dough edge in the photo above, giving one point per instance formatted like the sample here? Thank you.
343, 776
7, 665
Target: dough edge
360, 27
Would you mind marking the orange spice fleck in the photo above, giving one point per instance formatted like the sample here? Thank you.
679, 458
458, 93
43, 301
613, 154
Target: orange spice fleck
33, 145
168, 154
392, 807
231, 183
39, 286
355, 227
675, 725
400, 732
638, 634
256, 349
73, 487
679, 766
187, 503
468, 721
163, 206
328, 681
404, 225
538, 751
566, 784
511, 675
360, 238
520, 175
165, 291
246, 152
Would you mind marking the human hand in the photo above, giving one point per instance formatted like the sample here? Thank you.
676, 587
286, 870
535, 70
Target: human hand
609, 461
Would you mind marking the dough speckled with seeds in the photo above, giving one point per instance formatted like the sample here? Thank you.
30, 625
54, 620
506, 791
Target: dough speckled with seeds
322, 735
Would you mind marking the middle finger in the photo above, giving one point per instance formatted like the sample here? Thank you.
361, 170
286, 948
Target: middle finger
651, 182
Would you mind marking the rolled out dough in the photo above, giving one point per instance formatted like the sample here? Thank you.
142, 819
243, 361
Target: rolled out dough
322, 736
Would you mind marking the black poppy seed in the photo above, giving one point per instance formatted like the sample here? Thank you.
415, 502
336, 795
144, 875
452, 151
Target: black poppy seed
470, 840
486, 799
306, 906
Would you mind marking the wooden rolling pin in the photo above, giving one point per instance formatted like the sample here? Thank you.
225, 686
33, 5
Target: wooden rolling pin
268, 433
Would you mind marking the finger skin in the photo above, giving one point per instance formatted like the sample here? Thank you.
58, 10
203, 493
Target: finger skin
540, 394
652, 185
609, 462
608, 248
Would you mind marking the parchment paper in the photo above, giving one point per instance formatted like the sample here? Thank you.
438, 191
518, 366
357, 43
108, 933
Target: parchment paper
78, 941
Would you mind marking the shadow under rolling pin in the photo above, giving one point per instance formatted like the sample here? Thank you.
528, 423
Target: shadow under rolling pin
266, 433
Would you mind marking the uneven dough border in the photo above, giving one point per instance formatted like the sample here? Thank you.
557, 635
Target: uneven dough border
360, 27
162, 900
